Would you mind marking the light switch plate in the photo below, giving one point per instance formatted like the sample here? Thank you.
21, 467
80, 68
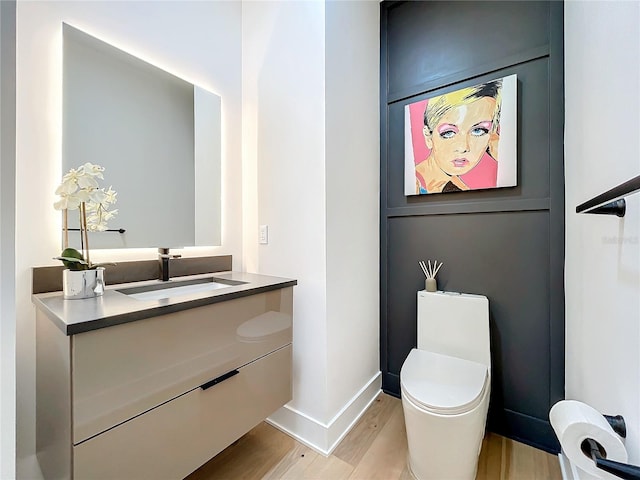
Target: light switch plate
264, 234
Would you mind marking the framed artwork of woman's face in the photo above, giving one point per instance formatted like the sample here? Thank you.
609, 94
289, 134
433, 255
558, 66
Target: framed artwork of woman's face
462, 140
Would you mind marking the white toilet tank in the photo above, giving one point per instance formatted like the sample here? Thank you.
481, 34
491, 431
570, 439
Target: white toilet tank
455, 324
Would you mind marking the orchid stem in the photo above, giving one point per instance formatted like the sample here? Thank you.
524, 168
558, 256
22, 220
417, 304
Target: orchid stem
85, 233
65, 228
81, 235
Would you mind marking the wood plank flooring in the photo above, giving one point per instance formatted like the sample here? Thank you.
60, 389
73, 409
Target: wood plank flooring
376, 448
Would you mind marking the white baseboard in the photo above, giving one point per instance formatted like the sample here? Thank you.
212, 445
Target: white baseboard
325, 437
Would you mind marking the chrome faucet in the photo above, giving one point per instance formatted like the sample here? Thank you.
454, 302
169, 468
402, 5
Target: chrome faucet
163, 263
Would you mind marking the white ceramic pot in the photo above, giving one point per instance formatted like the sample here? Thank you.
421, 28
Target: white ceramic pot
78, 284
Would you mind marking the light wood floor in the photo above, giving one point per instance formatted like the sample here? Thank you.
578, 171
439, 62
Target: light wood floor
376, 448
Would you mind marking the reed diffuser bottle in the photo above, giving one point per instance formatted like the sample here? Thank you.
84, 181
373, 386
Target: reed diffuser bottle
430, 272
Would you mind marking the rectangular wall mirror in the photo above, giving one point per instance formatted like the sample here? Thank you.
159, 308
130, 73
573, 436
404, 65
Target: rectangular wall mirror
158, 138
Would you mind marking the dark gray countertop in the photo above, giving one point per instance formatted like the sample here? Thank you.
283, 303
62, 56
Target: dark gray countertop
114, 308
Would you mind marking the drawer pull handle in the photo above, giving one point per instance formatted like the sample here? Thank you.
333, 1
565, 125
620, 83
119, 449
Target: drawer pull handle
219, 379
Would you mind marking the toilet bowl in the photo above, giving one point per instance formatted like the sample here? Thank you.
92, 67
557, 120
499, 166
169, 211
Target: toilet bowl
445, 385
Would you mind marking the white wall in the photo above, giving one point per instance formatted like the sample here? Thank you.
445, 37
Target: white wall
7, 241
311, 159
199, 41
602, 150
283, 100
352, 143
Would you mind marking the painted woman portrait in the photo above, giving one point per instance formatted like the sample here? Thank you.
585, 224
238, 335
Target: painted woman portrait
458, 140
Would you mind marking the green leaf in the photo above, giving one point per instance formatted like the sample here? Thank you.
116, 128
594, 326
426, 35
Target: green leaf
73, 259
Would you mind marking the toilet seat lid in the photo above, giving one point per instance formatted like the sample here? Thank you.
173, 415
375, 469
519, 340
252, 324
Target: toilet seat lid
443, 384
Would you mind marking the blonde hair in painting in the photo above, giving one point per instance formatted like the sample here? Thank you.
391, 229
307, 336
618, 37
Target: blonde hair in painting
438, 106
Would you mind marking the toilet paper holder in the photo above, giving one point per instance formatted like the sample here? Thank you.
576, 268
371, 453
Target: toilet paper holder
622, 470
593, 449
617, 424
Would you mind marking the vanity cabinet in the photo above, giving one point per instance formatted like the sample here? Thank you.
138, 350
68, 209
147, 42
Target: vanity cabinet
156, 398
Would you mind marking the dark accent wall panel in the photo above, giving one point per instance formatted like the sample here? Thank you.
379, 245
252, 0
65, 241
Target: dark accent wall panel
430, 42
507, 244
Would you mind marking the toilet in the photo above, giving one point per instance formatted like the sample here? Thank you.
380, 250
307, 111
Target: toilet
445, 385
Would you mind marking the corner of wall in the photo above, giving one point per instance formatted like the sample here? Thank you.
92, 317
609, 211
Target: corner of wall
325, 437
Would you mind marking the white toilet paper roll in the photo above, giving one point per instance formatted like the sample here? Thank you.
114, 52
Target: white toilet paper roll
573, 423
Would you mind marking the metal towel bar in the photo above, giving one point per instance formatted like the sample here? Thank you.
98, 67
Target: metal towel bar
610, 202
119, 230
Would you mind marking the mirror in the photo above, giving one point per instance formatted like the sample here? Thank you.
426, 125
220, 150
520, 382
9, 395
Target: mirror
158, 138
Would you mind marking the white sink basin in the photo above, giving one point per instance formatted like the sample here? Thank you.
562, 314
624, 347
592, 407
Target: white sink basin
164, 290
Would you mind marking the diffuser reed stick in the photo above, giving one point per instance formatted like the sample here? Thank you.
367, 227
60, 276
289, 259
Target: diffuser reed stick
424, 268
430, 271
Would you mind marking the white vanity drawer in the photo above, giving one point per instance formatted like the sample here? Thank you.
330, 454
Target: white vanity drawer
125, 370
174, 439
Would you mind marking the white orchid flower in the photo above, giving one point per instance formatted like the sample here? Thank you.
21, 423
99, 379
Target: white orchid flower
110, 196
92, 170
67, 187
109, 214
98, 215
60, 204
67, 202
82, 196
96, 226
97, 196
87, 182
71, 176
80, 187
